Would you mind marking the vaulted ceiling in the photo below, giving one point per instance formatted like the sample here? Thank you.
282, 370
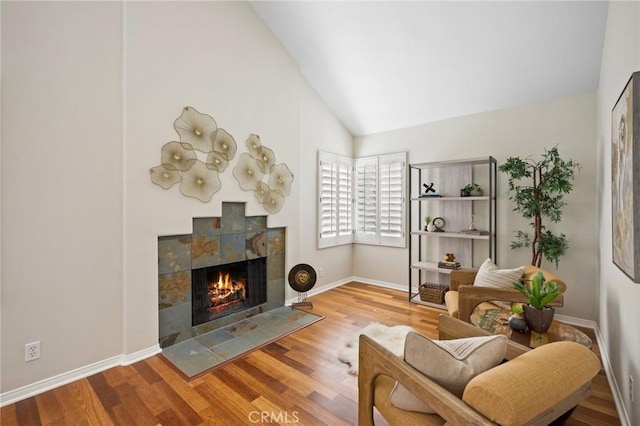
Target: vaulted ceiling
390, 64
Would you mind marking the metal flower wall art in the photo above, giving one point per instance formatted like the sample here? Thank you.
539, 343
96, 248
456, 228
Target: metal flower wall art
257, 171
204, 151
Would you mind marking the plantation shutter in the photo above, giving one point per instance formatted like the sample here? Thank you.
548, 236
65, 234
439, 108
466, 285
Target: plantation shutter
361, 200
366, 191
335, 202
391, 170
345, 198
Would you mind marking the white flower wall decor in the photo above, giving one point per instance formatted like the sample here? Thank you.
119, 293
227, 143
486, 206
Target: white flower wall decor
257, 171
204, 151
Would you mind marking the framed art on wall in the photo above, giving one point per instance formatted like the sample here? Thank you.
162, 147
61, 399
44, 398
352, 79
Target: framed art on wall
625, 164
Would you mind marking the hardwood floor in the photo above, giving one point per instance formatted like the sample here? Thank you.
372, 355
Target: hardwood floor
296, 380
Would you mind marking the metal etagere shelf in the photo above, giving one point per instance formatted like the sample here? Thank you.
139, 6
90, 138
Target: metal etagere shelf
459, 213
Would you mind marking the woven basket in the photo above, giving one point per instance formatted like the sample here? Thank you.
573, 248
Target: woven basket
434, 293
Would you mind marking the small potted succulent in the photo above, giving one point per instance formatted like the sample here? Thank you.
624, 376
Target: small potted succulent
471, 190
428, 225
516, 320
539, 293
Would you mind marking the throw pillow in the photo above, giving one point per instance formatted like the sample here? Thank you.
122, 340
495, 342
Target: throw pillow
490, 276
450, 363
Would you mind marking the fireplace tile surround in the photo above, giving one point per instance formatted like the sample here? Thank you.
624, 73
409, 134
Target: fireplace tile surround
215, 241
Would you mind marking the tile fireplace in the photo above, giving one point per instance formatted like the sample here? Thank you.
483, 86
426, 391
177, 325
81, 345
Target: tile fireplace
231, 267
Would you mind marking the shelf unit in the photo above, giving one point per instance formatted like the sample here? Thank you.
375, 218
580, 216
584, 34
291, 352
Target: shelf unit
427, 248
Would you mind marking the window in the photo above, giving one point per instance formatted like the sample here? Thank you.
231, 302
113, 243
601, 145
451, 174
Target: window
335, 204
361, 200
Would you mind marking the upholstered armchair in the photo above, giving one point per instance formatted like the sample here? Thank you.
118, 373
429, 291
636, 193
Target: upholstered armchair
534, 387
465, 294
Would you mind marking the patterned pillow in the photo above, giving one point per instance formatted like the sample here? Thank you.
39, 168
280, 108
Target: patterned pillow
450, 363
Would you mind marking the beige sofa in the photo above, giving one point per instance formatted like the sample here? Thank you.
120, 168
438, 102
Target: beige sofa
462, 297
557, 376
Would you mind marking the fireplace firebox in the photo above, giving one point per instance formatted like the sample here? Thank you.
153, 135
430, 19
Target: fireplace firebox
220, 290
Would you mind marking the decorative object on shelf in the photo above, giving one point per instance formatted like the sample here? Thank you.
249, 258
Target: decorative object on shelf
516, 319
471, 190
625, 144
551, 179
438, 223
302, 278
434, 293
472, 226
539, 293
259, 165
428, 189
427, 222
201, 137
449, 262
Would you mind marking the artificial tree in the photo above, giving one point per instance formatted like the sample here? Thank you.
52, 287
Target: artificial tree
538, 189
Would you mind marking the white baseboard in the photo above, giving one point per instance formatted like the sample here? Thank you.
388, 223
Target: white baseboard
385, 284
335, 284
36, 388
611, 378
319, 290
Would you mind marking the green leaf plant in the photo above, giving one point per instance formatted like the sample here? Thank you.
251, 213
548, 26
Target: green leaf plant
538, 188
539, 292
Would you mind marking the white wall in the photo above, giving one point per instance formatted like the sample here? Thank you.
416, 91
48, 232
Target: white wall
527, 130
90, 92
619, 316
219, 58
61, 186
320, 130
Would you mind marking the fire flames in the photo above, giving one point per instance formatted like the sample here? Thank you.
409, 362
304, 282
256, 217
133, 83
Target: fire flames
226, 290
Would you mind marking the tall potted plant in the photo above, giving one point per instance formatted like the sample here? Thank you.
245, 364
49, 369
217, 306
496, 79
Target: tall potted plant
538, 189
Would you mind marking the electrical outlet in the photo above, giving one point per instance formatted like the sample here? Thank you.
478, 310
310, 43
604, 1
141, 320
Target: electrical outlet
31, 351
320, 271
630, 388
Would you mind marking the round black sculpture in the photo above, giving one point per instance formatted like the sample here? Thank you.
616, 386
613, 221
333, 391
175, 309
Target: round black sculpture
302, 278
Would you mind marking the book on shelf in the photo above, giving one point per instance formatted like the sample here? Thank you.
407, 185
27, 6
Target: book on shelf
448, 265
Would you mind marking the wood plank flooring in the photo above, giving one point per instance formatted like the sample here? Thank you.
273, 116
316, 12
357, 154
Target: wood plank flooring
296, 380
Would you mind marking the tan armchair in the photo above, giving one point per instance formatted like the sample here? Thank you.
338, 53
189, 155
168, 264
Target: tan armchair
462, 297
558, 376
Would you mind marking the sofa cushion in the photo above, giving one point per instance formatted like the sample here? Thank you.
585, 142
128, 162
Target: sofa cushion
490, 276
519, 390
450, 363
531, 271
394, 415
451, 301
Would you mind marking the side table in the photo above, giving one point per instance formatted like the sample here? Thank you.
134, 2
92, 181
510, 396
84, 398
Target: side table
495, 321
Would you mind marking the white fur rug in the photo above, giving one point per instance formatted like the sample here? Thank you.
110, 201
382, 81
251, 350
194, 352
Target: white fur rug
391, 338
